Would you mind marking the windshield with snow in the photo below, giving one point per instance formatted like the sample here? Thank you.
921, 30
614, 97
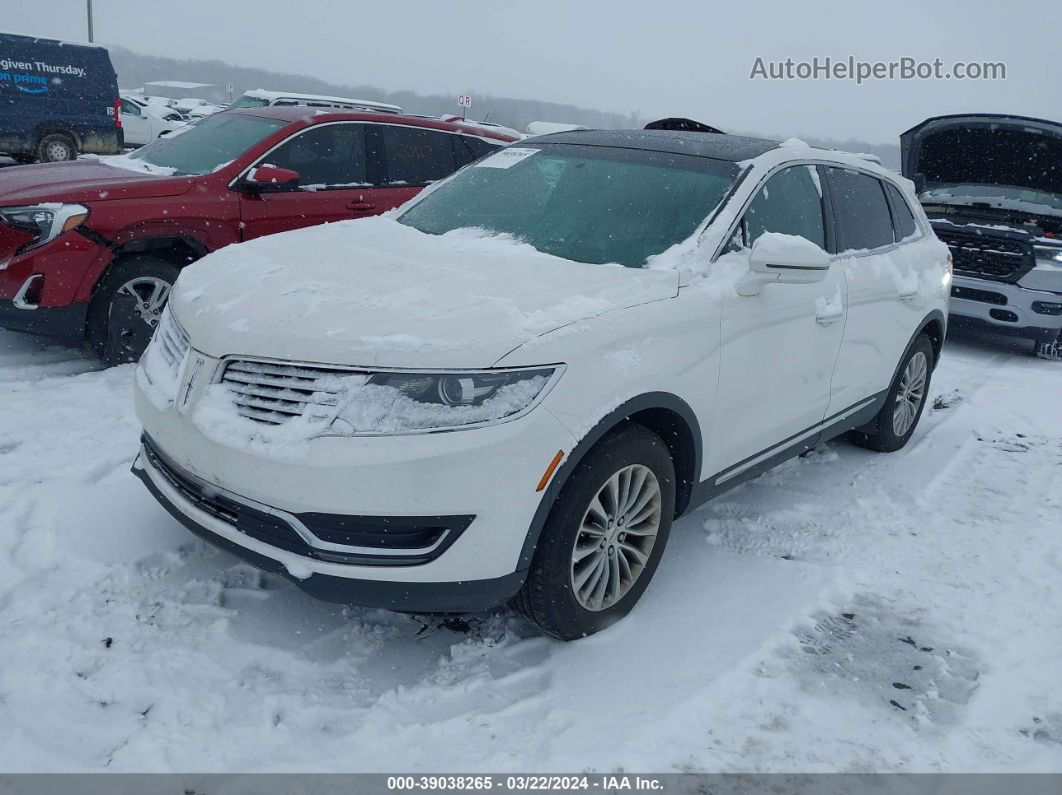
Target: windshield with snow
203, 146
584, 203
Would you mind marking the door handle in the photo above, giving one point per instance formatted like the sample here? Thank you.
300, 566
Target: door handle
361, 206
908, 296
828, 318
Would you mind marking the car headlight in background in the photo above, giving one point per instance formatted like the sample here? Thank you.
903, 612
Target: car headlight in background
44, 221
410, 402
1048, 257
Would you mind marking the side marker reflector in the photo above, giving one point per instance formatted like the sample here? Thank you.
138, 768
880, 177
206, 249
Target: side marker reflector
550, 470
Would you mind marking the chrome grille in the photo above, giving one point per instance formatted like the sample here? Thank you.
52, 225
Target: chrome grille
274, 393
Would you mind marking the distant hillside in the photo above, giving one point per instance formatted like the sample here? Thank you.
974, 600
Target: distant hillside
135, 69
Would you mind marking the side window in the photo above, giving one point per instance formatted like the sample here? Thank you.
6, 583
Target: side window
861, 210
415, 156
790, 202
329, 156
130, 108
478, 146
902, 215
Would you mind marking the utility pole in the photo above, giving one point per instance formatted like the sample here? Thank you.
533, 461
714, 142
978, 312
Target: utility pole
89, 2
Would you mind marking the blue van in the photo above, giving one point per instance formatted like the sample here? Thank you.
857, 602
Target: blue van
56, 99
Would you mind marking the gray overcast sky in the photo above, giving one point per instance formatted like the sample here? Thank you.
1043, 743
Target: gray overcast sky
670, 57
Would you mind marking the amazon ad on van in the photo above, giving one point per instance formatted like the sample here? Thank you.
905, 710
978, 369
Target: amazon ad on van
58, 100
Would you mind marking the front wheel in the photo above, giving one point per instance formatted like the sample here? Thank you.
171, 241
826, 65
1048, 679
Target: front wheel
1049, 347
895, 423
604, 536
128, 306
55, 148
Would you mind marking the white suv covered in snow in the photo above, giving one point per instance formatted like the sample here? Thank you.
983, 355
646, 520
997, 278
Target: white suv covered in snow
508, 391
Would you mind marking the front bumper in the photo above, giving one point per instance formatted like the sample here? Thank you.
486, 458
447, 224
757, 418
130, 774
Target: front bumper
1007, 308
59, 269
404, 597
480, 483
65, 324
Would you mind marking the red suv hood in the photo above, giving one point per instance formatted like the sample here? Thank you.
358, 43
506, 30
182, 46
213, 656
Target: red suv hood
82, 181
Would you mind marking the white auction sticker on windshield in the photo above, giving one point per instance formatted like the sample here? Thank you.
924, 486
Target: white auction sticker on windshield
507, 158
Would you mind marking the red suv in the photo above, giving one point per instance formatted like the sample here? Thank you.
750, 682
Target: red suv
90, 249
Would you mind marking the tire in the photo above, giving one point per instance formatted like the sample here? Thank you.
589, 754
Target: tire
887, 433
127, 306
55, 148
551, 597
1050, 349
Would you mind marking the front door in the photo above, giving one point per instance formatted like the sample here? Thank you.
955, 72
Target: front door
335, 182
135, 123
779, 347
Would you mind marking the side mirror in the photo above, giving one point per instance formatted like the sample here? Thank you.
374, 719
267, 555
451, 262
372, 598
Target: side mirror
270, 178
783, 259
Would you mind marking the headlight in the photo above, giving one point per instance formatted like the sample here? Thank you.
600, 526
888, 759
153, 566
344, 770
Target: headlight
1048, 257
44, 221
159, 371
394, 403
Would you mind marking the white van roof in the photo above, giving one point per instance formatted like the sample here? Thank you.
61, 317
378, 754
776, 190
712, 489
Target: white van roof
179, 84
368, 104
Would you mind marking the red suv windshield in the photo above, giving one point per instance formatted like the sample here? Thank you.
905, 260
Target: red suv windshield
206, 145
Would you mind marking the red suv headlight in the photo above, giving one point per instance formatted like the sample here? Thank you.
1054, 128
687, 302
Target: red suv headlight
44, 222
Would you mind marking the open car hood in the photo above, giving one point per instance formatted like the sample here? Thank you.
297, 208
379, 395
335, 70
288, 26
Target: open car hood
984, 149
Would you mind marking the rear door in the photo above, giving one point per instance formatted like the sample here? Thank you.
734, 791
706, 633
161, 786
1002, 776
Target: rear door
411, 158
335, 181
880, 282
779, 347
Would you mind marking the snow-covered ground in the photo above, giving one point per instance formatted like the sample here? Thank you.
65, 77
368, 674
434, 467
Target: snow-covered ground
847, 611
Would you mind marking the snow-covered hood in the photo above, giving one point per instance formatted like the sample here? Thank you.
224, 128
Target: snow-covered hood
82, 181
985, 149
376, 293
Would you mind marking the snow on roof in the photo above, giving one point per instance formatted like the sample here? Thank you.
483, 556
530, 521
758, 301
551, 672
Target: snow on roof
179, 84
73, 42
261, 93
547, 127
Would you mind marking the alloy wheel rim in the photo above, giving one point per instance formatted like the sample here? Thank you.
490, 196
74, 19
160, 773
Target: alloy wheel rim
149, 294
910, 395
616, 537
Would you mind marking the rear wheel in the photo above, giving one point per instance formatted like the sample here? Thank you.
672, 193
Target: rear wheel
604, 536
56, 147
906, 400
128, 306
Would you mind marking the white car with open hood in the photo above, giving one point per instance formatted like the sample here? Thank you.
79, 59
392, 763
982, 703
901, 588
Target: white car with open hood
508, 390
